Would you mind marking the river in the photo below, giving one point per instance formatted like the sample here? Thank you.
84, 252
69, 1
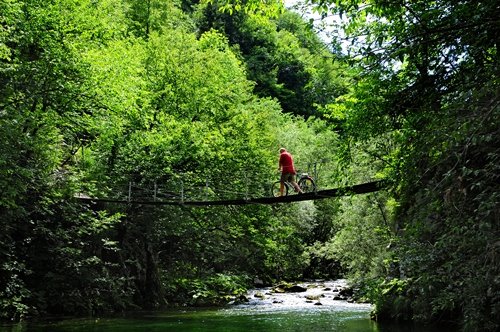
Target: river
314, 309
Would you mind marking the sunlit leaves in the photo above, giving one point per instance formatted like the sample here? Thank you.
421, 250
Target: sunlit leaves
428, 78
267, 7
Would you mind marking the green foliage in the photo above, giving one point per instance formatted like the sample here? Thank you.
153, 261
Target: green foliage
430, 88
393, 299
78, 250
147, 17
362, 235
285, 59
267, 7
96, 94
214, 290
15, 294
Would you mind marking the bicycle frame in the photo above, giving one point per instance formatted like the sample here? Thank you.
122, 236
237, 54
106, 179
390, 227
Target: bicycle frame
304, 180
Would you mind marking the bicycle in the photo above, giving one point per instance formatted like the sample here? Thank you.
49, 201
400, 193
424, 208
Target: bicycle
304, 180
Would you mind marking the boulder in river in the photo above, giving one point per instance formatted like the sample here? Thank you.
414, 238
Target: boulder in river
260, 295
240, 299
259, 283
289, 288
295, 289
313, 297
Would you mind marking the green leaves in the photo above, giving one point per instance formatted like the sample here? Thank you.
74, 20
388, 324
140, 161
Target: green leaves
270, 8
420, 106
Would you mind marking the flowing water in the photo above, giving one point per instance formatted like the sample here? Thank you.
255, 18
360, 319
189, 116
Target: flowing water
315, 309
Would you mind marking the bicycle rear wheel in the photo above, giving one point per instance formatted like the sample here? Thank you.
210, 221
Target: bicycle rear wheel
307, 185
275, 189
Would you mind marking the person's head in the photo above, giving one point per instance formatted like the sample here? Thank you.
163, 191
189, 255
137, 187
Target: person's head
282, 150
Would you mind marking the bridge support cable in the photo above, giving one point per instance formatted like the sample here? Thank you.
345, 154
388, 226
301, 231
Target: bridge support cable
320, 194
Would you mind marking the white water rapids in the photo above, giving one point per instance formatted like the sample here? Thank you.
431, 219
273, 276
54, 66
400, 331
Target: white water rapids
318, 295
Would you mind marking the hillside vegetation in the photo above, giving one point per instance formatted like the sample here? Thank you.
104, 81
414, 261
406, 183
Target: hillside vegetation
97, 97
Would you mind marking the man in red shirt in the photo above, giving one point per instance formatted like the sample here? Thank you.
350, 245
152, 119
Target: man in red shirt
287, 171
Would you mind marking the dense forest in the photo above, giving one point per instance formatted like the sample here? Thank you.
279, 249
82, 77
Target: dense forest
97, 96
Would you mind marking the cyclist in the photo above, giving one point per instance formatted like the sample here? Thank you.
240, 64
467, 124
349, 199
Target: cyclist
288, 172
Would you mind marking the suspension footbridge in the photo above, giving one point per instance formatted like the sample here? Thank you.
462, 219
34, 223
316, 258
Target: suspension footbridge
157, 196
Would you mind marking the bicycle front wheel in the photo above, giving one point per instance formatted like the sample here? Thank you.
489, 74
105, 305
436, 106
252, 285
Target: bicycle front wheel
307, 185
275, 189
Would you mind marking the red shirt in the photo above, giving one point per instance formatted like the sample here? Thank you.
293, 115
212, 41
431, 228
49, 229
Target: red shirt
286, 163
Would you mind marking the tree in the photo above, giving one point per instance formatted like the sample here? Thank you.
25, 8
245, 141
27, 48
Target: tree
429, 83
283, 56
44, 107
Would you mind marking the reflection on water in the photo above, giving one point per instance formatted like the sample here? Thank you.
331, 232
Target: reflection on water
218, 320
229, 320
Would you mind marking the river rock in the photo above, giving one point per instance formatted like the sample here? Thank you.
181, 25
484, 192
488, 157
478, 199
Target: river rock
346, 292
258, 283
295, 289
240, 299
278, 289
259, 295
289, 288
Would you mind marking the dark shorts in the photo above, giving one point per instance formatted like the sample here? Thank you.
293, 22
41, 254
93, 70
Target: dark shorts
287, 177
